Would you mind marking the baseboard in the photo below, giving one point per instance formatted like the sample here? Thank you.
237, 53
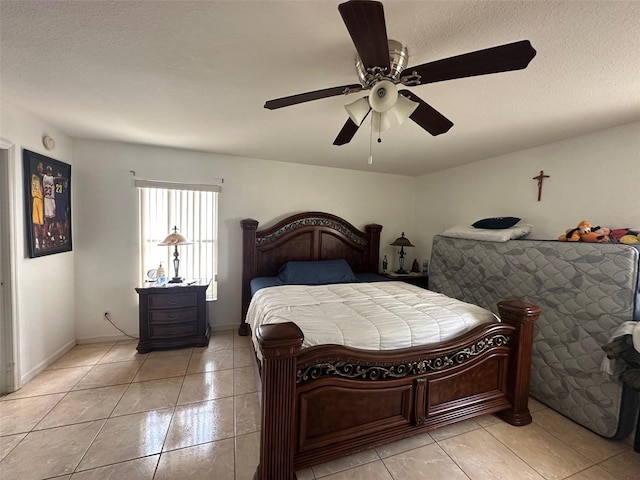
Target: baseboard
105, 339
31, 374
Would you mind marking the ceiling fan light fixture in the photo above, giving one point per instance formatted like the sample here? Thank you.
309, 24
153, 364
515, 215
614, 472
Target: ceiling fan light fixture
381, 121
402, 110
383, 96
358, 110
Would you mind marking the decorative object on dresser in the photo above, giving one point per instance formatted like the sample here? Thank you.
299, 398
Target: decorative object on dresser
173, 316
401, 242
173, 240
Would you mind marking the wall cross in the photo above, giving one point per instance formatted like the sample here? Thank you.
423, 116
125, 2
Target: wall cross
540, 178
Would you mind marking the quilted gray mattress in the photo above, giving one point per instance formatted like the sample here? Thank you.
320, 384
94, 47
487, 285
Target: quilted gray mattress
585, 291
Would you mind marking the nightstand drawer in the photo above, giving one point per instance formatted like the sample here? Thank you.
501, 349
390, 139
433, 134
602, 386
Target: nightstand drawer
173, 301
172, 330
173, 316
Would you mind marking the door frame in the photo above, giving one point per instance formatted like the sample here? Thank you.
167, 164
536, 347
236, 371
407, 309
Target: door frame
9, 274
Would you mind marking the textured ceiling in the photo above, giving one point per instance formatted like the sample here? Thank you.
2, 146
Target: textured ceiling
195, 75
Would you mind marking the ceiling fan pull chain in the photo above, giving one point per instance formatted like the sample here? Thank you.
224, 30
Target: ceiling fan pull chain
370, 161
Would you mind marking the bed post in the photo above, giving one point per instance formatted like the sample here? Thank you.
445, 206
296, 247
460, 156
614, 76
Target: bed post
373, 230
249, 227
280, 345
521, 315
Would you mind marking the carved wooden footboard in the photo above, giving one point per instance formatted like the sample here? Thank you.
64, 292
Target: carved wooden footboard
329, 401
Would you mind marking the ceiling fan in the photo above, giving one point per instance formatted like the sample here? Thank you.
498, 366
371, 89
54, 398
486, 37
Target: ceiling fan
380, 65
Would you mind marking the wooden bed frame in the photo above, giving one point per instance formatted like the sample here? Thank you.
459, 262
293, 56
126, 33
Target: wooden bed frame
329, 401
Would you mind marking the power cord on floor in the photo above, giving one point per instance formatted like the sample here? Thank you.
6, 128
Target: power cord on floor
108, 319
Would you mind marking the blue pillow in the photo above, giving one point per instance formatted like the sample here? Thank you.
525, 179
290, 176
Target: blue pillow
319, 272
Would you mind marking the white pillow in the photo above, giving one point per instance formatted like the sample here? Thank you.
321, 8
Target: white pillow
495, 235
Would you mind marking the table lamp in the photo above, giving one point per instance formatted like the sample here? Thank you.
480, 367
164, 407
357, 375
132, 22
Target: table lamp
173, 240
402, 242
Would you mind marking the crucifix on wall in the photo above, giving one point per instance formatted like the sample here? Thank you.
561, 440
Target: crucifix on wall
540, 178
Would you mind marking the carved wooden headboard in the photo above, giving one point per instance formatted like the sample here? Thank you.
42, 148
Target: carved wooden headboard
304, 236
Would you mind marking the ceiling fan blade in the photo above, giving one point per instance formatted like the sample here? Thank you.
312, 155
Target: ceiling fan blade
364, 20
504, 58
346, 134
309, 96
426, 116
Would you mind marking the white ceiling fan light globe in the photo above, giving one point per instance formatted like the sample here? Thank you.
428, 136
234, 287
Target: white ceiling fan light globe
358, 110
383, 96
403, 109
380, 121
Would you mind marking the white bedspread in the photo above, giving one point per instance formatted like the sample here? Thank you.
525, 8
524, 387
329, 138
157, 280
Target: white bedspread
371, 316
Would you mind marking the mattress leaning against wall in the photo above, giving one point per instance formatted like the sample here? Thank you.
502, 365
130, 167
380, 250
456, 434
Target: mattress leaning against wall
585, 291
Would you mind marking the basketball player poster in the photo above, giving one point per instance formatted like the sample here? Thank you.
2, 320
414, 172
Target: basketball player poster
47, 188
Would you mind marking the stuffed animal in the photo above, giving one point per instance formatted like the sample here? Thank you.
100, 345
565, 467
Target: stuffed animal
585, 232
576, 234
625, 235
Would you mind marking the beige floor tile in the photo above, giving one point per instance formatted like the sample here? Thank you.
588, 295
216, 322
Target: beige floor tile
244, 357
624, 466
549, 456
138, 469
170, 352
22, 414
201, 387
345, 463
370, 471
242, 342
164, 367
209, 361
248, 455
246, 380
304, 474
198, 423
8, 443
404, 445
123, 352
589, 444
80, 356
482, 457
151, 395
592, 473
454, 429
83, 406
486, 420
214, 460
535, 405
128, 437
48, 453
51, 381
104, 375
247, 413
429, 461
220, 341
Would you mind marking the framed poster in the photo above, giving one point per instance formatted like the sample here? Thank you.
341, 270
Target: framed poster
47, 187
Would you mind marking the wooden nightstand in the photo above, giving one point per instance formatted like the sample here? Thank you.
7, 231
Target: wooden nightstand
416, 279
173, 316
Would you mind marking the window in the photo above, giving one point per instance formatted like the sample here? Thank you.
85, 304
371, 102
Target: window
193, 209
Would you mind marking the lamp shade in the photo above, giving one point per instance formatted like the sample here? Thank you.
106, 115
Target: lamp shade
380, 121
383, 96
358, 110
175, 239
402, 241
402, 109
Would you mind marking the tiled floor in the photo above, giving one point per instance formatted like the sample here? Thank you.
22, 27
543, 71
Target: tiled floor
105, 412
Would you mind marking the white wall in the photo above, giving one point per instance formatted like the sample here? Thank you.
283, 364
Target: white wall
594, 177
45, 285
105, 220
